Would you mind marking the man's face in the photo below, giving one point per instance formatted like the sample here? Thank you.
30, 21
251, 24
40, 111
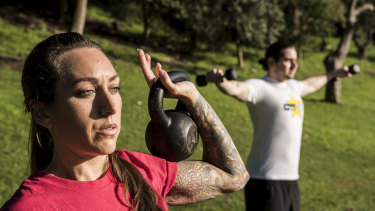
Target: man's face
286, 67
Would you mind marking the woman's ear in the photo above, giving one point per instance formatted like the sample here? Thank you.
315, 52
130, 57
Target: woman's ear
39, 114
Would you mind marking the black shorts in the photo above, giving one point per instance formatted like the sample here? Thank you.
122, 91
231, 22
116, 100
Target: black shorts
272, 195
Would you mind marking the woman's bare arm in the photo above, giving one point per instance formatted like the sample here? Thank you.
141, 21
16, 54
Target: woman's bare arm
221, 170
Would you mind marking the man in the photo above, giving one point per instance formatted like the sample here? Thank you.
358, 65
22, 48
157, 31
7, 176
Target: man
276, 110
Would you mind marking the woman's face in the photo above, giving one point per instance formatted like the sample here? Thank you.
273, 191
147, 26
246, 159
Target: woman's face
86, 111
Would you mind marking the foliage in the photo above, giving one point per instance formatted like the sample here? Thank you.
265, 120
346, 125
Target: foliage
364, 32
192, 21
310, 18
252, 22
335, 11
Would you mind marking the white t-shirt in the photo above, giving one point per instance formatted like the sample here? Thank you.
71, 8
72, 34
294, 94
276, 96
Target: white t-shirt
276, 110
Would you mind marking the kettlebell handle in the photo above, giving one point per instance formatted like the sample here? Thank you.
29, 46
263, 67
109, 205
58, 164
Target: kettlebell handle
156, 96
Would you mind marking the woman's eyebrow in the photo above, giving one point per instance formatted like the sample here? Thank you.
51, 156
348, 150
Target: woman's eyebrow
93, 80
89, 79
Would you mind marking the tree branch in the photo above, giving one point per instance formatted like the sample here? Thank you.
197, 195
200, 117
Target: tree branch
364, 7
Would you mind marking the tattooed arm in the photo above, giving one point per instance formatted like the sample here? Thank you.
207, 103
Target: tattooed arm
222, 169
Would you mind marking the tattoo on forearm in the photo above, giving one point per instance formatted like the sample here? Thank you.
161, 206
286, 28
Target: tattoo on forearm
219, 148
221, 170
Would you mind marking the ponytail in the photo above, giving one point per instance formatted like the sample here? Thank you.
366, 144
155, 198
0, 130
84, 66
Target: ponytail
40, 147
41, 71
143, 196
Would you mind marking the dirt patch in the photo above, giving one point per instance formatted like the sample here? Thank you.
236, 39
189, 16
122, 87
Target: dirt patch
31, 18
11, 63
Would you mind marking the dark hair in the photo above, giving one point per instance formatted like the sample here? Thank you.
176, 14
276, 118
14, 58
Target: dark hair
42, 69
274, 51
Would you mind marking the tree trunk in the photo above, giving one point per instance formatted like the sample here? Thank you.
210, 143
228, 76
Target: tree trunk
296, 22
239, 54
63, 7
335, 61
323, 44
333, 88
146, 21
79, 16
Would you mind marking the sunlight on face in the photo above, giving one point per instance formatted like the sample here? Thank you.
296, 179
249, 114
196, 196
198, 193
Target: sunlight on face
86, 112
286, 67
287, 64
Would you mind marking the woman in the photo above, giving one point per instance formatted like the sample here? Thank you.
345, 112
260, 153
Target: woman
72, 92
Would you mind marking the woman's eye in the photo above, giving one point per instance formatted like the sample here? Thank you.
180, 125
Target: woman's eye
85, 93
114, 90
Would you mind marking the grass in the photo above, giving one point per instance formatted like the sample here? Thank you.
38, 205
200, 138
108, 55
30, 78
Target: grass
337, 169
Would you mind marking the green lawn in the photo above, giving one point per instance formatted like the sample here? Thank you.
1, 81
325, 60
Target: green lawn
337, 170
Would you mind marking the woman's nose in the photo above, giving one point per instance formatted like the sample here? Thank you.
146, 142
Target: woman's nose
108, 105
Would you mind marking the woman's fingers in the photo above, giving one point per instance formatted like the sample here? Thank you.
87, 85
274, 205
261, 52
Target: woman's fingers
167, 83
184, 91
148, 59
145, 61
157, 69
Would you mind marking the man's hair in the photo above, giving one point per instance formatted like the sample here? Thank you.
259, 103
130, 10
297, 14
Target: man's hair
275, 51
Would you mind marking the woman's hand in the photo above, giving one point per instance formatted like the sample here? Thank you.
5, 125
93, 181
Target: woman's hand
184, 91
221, 170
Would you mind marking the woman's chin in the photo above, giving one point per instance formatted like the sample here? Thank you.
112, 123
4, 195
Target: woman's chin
107, 147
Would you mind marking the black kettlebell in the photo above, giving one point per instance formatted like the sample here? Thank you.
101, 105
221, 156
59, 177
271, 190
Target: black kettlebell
171, 134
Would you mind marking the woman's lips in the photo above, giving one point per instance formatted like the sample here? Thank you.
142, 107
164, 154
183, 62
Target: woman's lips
108, 130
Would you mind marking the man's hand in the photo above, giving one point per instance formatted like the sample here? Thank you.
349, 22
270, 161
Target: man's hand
215, 76
343, 72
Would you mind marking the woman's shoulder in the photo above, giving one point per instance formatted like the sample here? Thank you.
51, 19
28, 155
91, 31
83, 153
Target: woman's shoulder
18, 203
140, 159
159, 172
23, 198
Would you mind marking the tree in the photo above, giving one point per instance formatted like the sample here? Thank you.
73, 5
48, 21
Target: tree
217, 22
252, 22
192, 21
304, 19
147, 11
79, 16
335, 60
364, 32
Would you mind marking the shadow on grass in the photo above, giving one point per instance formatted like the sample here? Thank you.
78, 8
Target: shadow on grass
30, 18
358, 56
314, 100
11, 63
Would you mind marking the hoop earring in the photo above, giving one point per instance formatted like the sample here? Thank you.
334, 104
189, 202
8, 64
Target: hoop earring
38, 140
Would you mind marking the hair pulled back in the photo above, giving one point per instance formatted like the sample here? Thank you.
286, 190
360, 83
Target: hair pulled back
42, 69
274, 51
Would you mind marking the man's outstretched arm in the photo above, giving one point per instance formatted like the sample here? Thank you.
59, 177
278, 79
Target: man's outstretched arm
314, 83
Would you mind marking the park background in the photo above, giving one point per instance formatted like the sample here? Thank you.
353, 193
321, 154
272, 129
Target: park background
337, 170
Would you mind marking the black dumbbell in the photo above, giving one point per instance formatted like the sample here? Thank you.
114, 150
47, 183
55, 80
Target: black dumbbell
229, 74
354, 69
